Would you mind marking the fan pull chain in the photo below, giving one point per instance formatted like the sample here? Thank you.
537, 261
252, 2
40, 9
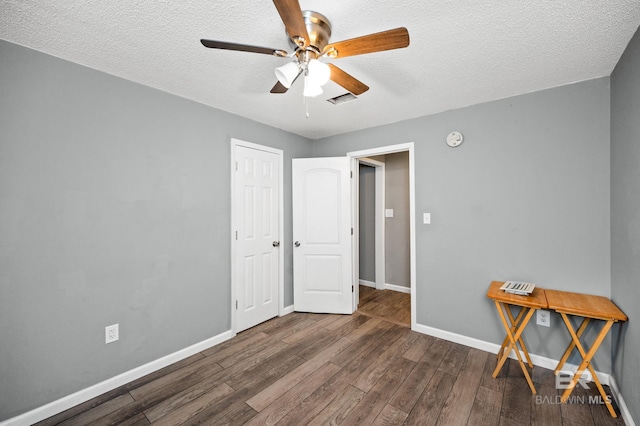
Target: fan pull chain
306, 105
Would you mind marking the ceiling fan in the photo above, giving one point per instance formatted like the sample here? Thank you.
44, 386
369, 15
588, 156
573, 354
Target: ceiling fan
309, 34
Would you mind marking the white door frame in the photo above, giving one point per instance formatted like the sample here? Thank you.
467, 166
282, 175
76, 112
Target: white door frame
379, 170
355, 156
234, 214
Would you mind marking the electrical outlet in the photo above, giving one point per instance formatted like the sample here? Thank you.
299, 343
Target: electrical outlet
543, 318
111, 333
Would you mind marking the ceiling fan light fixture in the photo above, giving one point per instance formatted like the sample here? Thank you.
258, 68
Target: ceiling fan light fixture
309, 33
311, 90
287, 73
319, 72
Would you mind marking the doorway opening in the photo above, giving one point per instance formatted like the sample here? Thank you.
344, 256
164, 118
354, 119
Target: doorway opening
384, 264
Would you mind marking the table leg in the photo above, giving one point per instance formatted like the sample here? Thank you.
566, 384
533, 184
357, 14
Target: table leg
513, 342
514, 327
586, 362
572, 345
514, 323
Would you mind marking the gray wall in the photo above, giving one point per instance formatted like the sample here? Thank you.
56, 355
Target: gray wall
525, 197
114, 208
367, 223
625, 219
396, 231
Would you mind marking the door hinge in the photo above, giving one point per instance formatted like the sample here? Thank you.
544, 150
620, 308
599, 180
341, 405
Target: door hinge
236, 304
236, 166
236, 235
351, 231
352, 290
351, 174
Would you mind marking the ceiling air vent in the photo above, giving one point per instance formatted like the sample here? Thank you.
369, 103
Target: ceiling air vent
347, 97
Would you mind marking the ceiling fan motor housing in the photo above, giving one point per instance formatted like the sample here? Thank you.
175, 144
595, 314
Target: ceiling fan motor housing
319, 30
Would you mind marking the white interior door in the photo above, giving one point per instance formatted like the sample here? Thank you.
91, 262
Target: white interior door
256, 206
322, 235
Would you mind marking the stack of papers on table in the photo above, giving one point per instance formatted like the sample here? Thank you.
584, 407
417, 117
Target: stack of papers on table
518, 287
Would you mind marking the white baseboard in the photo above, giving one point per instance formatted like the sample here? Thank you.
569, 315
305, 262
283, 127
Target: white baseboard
457, 338
387, 286
98, 389
624, 410
287, 310
399, 288
367, 283
538, 360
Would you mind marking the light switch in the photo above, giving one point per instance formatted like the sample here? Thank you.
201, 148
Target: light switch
388, 213
426, 218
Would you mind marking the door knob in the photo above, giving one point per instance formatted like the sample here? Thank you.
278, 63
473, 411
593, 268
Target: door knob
276, 243
297, 244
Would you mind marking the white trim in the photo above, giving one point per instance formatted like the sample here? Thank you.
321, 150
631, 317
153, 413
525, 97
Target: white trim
232, 228
622, 405
398, 288
287, 310
409, 146
381, 251
380, 176
412, 232
280, 154
457, 338
387, 286
355, 233
389, 149
367, 283
84, 395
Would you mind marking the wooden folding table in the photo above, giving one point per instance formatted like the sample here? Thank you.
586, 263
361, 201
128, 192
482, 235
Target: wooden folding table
515, 326
589, 307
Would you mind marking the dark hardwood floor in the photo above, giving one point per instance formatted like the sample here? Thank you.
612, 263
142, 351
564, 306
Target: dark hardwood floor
361, 369
389, 305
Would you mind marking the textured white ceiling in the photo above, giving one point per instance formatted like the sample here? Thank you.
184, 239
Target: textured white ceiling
461, 53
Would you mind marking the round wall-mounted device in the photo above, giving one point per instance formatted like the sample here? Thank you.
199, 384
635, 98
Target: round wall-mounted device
454, 139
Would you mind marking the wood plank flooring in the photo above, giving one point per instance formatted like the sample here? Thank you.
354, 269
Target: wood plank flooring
361, 369
391, 305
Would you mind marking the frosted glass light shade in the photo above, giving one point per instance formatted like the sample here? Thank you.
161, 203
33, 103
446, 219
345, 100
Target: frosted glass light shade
311, 90
287, 73
319, 72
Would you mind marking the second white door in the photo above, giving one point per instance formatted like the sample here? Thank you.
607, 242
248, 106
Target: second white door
322, 235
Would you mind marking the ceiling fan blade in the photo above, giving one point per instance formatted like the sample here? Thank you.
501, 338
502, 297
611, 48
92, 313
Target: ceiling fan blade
216, 44
291, 15
279, 88
347, 81
385, 40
